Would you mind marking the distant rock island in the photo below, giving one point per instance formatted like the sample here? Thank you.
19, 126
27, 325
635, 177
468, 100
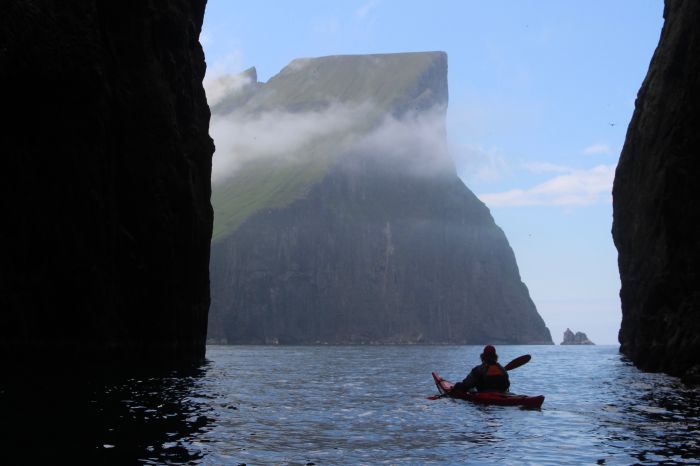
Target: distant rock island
656, 198
578, 338
341, 218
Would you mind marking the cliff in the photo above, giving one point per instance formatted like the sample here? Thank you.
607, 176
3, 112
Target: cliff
106, 181
578, 338
655, 202
362, 232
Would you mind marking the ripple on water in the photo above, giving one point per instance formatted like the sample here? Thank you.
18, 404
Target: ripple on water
363, 405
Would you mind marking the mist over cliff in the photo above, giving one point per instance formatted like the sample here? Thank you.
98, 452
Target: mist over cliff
339, 216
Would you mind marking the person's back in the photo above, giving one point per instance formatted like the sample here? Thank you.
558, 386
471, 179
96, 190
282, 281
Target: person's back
488, 376
491, 377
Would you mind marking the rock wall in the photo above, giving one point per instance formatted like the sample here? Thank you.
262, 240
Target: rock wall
106, 181
656, 202
386, 246
578, 338
367, 258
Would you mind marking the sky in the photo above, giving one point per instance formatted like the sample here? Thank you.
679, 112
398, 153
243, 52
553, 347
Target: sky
541, 93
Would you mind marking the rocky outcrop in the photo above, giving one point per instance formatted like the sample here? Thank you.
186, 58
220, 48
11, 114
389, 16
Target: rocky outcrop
578, 338
106, 181
383, 243
656, 203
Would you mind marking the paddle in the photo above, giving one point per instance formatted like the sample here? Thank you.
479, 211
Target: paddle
517, 362
514, 364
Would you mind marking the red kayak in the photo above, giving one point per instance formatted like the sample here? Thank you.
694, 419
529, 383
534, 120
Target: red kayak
489, 398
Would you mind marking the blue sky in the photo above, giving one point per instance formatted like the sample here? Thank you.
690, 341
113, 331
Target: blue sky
541, 93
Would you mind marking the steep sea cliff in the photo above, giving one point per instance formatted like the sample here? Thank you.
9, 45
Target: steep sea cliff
106, 182
362, 233
655, 202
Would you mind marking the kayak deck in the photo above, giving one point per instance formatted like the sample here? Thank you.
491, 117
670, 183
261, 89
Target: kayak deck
490, 398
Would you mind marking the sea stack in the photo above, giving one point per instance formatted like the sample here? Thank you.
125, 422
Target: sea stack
106, 186
578, 338
656, 202
349, 225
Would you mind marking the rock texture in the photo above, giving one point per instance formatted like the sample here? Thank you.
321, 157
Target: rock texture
106, 181
579, 338
656, 203
370, 251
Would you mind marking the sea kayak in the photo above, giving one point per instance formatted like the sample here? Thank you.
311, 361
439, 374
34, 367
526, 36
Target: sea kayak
489, 398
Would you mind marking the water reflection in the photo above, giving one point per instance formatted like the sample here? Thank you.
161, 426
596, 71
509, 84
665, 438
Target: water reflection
103, 417
350, 405
664, 414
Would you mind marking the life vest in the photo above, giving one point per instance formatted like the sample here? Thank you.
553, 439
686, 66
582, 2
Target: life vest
494, 377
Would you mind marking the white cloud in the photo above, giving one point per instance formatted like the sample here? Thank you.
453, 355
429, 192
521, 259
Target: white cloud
364, 11
275, 134
231, 63
597, 149
476, 163
575, 188
217, 88
414, 144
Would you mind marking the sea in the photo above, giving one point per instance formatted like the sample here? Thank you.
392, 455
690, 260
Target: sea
352, 405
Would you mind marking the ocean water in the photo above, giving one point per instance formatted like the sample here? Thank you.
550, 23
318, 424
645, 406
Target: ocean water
356, 405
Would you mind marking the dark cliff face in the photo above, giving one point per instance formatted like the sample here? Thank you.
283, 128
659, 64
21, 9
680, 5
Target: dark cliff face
655, 201
372, 258
106, 180
380, 248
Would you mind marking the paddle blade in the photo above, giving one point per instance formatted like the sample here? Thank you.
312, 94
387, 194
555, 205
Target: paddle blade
517, 362
436, 397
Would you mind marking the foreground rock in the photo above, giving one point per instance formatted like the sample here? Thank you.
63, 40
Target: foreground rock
579, 338
656, 202
105, 193
363, 233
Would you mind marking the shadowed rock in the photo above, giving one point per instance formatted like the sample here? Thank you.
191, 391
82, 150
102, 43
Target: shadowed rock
656, 202
106, 181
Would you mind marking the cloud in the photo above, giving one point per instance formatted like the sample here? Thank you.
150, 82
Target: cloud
222, 86
575, 188
597, 149
223, 76
241, 138
477, 163
414, 143
230, 63
364, 11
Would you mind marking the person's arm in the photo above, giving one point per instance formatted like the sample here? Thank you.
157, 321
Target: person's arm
469, 381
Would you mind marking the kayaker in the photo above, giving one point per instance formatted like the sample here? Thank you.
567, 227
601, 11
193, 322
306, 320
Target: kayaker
489, 376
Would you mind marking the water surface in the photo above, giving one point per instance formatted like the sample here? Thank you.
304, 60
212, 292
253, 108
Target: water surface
367, 405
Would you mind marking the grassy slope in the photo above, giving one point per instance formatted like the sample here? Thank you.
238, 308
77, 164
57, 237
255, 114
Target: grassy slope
384, 81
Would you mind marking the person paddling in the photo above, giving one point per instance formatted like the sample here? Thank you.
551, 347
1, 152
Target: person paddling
489, 376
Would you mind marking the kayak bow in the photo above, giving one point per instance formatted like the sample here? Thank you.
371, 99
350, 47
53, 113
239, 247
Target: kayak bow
489, 398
